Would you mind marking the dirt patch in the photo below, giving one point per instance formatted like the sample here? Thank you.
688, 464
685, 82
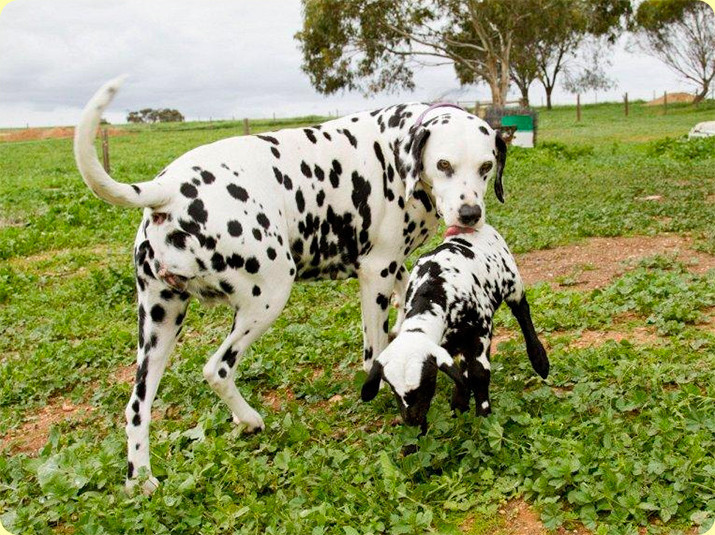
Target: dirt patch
125, 374
673, 98
597, 261
279, 398
6, 222
709, 323
34, 134
32, 435
639, 336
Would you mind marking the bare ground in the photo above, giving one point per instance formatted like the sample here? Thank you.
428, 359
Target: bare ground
597, 261
60, 132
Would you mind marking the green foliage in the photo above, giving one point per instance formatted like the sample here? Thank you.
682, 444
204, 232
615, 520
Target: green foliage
684, 149
620, 437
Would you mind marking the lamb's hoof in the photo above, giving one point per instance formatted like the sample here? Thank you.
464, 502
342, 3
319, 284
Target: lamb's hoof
483, 408
409, 449
539, 360
148, 486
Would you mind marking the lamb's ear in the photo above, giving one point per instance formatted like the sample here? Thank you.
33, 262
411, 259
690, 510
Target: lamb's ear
501, 162
372, 384
418, 142
446, 363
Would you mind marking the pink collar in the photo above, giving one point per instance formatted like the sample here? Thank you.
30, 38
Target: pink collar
421, 116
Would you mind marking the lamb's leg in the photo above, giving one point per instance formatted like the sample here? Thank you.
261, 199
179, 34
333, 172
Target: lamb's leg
461, 392
534, 347
479, 374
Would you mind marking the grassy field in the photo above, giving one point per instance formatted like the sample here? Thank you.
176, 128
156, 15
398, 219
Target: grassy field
619, 438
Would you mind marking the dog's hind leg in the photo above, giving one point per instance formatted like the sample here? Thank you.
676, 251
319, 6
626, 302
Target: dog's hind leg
161, 314
254, 315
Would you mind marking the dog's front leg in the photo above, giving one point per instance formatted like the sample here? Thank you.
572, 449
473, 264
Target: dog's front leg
376, 286
401, 282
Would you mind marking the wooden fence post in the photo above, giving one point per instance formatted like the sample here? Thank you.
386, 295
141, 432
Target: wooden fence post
105, 149
246, 128
626, 101
665, 103
578, 108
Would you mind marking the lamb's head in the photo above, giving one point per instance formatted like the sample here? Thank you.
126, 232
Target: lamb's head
410, 365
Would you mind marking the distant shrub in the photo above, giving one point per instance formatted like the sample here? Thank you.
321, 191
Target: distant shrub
684, 148
562, 151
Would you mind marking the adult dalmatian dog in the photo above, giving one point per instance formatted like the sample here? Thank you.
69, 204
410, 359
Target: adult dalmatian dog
241, 219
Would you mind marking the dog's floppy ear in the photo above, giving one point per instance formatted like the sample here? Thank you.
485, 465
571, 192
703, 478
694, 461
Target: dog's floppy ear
372, 384
417, 145
501, 161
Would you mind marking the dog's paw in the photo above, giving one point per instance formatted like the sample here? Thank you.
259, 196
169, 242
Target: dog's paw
148, 486
252, 423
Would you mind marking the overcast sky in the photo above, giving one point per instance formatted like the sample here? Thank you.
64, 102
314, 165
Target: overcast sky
218, 59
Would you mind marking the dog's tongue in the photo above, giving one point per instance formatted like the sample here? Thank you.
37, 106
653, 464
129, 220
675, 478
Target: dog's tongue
454, 230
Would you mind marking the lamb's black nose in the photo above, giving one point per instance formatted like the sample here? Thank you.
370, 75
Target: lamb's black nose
469, 215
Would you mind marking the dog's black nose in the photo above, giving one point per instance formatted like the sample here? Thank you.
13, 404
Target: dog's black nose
469, 215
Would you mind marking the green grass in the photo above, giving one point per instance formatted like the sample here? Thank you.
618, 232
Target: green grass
619, 437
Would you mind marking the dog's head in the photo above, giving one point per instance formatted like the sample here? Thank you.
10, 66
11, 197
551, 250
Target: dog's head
410, 365
454, 155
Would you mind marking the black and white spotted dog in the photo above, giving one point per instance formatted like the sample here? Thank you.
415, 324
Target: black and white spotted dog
452, 296
241, 219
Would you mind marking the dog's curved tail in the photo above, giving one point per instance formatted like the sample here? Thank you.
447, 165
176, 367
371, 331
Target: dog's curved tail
144, 195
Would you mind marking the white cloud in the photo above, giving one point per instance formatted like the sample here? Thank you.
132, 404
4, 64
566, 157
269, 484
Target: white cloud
220, 59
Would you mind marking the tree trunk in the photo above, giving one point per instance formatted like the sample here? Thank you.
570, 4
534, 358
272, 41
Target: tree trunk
702, 95
549, 89
524, 95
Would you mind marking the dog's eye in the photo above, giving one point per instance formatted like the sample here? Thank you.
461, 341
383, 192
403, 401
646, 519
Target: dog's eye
445, 166
485, 168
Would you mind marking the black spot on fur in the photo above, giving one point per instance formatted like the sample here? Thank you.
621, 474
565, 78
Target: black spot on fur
278, 174
256, 291
235, 261
252, 265
207, 177
257, 234
157, 313
300, 201
263, 220
177, 238
350, 137
320, 198
218, 262
335, 172
305, 169
197, 211
275, 152
189, 190
234, 228
237, 192
226, 287
310, 135
271, 252
269, 139
483, 130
